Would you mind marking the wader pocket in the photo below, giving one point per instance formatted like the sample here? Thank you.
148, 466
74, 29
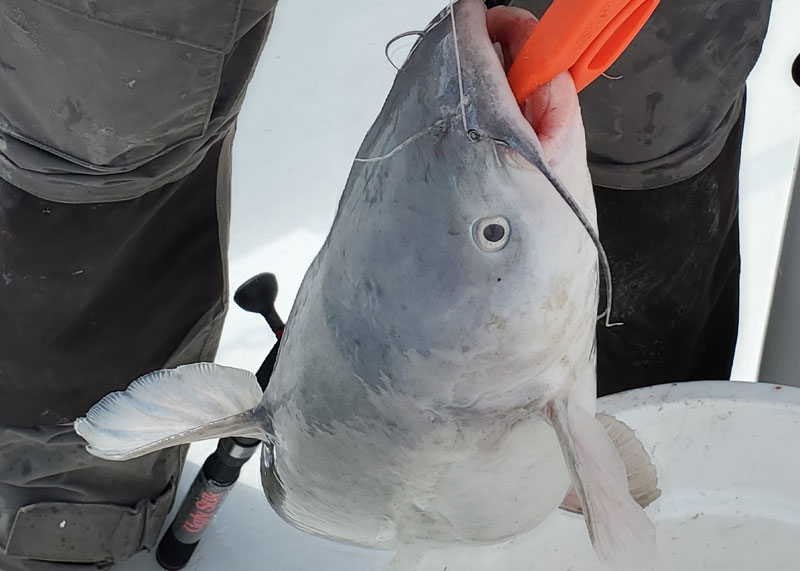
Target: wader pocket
110, 85
87, 533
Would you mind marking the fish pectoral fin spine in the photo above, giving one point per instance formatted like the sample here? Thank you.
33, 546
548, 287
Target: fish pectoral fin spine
642, 475
622, 534
174, 406
244, 425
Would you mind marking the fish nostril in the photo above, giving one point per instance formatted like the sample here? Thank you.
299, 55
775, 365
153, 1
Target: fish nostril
494, 232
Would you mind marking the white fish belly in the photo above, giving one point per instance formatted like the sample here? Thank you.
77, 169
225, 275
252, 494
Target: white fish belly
429, 481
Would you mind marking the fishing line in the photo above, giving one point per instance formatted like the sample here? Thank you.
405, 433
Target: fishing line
460, 73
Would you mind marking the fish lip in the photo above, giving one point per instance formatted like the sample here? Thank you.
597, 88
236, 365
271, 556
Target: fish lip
469, 26
488, 108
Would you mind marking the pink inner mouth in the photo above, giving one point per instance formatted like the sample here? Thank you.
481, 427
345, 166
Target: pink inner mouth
510, 27
552, 108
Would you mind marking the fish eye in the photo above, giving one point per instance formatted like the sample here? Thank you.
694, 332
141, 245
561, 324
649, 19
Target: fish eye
491, 233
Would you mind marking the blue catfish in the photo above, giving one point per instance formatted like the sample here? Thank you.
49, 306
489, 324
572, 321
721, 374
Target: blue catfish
436, 380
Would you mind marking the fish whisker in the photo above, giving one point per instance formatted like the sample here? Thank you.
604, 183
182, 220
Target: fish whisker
562, 190
438, 125
390, 43
421, 34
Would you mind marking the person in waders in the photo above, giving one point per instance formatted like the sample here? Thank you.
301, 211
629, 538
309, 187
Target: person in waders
116, 126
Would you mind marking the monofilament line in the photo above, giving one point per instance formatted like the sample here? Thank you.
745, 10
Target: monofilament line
462, 98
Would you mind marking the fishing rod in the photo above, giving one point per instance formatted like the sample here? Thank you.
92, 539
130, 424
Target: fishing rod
221, 469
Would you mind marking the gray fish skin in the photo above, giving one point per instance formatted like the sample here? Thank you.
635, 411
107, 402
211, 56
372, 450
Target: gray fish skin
407, 395
431, 388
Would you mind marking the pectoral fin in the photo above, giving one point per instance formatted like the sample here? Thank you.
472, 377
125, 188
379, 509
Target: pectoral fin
621, 533
642, 476
171, 407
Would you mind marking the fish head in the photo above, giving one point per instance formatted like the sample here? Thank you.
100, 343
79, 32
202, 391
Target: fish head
455, 269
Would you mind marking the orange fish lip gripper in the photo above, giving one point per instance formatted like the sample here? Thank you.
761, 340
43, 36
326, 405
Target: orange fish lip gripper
582, 36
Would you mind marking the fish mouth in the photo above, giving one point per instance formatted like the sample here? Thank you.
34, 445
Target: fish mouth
551, 110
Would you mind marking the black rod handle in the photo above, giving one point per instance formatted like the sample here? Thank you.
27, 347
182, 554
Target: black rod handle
205, 497
221, 469
258, 295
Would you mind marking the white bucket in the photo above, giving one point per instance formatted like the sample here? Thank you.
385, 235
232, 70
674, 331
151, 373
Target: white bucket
728, 458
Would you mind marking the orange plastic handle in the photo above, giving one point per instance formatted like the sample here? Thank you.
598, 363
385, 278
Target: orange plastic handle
582, 36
